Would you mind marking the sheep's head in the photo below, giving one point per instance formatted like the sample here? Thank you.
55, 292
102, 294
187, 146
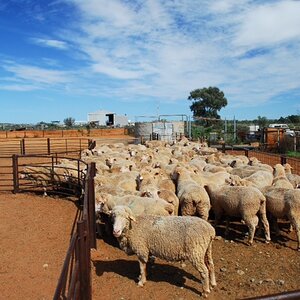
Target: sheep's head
288, 168
121, 218
278, 170
233, 180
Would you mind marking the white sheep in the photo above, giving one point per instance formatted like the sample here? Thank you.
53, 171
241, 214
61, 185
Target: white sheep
280, 180
240, 201
164, 194
139, 205
283, 203
193, 199
259, 179
171, 238
294, 179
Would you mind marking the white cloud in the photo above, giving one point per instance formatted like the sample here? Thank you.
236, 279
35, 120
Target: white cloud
33, 74
50, 43
18, 88
268, 24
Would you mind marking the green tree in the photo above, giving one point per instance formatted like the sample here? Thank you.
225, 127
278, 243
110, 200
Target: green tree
69, 122
207, 102
262, 122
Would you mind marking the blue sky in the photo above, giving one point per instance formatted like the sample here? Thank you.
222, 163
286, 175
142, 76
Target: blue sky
66, 58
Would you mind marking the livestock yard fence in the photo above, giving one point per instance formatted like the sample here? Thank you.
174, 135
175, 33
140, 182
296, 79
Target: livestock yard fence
267, 158
42, 145
75, 279
76, 133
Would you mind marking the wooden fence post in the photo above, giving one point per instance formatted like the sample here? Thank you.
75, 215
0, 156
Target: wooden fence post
223, 148
22, 147
48, 146
91, 206
282, 160
15, 173
84, 260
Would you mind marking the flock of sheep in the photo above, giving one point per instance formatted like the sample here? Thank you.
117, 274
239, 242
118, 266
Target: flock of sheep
160, 197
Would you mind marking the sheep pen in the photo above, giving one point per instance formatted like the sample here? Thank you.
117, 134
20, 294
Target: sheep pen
240, 271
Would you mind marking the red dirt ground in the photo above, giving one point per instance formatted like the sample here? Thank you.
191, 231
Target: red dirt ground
35, 234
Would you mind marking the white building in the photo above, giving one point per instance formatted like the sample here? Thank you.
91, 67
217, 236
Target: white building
106, 118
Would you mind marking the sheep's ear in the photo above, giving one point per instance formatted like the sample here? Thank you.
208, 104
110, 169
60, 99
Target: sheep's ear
132, 218
130, 215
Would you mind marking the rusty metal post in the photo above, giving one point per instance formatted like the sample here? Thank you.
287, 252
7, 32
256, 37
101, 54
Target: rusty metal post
22, 147
48, 146
84, 260
282, 160
91, 206
247, 152
15, 173
223, 148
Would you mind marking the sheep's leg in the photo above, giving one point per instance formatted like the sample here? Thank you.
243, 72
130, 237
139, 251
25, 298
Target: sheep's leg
45, 192
291, 228
199, 264
227, 227
266, 226
251, 223
296, 224
210, 265
276, 227
142, 277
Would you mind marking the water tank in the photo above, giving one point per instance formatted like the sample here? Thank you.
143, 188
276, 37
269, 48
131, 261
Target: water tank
166, 131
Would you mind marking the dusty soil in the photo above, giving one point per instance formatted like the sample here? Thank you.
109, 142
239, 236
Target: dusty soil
242, 271
35, 233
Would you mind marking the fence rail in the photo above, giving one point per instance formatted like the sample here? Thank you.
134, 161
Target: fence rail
42, 146
267, 158
75, 278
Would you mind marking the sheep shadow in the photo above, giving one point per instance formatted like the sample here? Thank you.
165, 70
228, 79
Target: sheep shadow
155, 272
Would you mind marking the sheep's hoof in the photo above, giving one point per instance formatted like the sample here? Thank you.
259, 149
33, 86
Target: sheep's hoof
267, 241
205, 294
140, 284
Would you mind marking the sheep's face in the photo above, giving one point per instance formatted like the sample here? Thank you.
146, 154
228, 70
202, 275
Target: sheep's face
121, 218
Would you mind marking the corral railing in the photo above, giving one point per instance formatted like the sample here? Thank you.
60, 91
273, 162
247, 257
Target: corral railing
265, 157
48, 173
43, 146
76, 133
75, 278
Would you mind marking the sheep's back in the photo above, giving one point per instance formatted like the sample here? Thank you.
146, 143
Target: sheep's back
172, 238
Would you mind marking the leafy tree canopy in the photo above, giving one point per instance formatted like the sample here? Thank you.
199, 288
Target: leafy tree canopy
69, 122
207, 102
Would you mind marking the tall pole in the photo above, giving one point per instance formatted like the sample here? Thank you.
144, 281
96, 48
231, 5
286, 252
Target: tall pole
234, 129
225, 131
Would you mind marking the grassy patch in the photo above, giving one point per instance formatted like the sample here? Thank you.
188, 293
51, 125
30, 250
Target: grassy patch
293, 154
